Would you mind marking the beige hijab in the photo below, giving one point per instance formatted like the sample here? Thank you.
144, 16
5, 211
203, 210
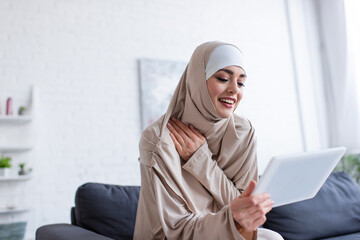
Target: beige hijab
171, 188
230, 143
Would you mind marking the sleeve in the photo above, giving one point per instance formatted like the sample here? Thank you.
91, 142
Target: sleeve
176, 220
211, 176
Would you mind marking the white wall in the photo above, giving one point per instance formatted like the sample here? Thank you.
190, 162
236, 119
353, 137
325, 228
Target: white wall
82, 56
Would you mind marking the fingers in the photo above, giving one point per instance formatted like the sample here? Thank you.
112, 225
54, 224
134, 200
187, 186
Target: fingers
267, 205
180, 135
185, 134
182, 129
248, 191
187, 140
250, 211
261, 209
197, 132
252, 226
255, 201
178, 146
258, 218
179, 138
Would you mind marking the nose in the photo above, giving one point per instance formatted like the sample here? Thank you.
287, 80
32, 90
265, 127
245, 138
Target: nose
233, 87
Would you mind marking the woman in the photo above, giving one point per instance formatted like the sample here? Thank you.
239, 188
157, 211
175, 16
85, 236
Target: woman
198, 158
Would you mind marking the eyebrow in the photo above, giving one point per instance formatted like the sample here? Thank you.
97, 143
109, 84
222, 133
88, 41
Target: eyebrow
231, 72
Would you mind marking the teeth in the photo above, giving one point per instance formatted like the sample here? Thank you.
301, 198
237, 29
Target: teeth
227, 101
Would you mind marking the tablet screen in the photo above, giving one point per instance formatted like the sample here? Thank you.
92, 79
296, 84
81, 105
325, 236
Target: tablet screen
296, 177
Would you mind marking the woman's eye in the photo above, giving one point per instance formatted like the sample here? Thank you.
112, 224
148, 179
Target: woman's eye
222, 79
240, 84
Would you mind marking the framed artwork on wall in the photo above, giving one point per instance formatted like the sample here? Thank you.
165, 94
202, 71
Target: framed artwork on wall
158, 80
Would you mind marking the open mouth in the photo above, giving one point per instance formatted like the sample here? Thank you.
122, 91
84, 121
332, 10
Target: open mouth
227, 102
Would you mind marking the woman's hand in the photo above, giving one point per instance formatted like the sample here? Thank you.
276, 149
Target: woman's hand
249, 211
186, 139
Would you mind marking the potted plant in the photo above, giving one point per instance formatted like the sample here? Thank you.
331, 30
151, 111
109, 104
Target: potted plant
350, 163
22, 110
22, 170
5, 165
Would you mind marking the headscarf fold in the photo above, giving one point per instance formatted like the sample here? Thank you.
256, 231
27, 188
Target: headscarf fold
228, 139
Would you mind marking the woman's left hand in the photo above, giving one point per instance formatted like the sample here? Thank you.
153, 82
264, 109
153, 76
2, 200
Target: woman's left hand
187, 139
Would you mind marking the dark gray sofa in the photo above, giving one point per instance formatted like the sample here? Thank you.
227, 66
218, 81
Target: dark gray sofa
104, 211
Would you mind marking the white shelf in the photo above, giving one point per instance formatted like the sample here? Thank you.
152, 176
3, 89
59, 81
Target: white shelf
13, 210
14, 149
15, 178
15, 119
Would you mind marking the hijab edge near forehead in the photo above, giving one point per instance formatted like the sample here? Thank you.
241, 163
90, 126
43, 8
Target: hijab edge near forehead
222, 56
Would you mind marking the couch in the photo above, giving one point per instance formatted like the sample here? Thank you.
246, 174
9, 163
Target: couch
104, 211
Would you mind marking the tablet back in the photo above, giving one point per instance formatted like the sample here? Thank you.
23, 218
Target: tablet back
296, 177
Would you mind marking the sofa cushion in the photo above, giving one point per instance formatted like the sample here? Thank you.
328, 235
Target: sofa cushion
351, 236
63, 231
334, 211
109, 210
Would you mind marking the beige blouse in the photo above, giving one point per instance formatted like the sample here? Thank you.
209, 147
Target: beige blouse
191, 202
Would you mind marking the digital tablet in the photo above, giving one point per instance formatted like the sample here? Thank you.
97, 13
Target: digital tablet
297, 177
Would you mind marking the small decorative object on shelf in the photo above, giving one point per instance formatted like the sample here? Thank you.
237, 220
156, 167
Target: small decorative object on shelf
5, 165
9, 107
22, 110
22, 170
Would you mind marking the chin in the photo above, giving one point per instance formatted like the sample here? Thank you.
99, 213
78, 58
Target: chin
226, 115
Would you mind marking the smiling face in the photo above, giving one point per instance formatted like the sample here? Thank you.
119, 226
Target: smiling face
226, 89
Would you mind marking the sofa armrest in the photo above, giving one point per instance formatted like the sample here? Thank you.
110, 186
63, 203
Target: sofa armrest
66, 232
73, 216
